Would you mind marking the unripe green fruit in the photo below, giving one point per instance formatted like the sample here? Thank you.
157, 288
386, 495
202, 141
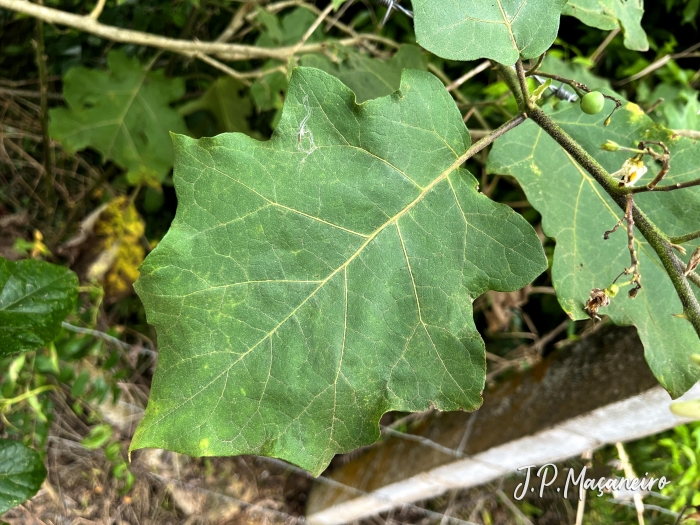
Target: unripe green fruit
592, 103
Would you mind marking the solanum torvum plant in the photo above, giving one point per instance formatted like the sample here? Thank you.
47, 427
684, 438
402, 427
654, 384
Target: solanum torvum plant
313, 282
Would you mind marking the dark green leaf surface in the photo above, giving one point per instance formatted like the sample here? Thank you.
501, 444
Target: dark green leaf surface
21, 474
224, 102
287, 31
576, 212
611, 14
369, 77
268, 91
35, 297
500, 30
679, 107
123, 113
311, 283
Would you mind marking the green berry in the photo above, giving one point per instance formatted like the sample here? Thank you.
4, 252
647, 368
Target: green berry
592, 103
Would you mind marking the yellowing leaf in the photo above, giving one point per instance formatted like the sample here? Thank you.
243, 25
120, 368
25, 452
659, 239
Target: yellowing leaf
118, 232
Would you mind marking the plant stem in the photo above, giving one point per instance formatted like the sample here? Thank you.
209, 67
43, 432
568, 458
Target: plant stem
511, 80
601, 48
48, 190
668, 187
578, 86
656, 239
236, 22
222, 50
654, 236
492, 136
684, 238
313, 27
690, 133
520, 70
97, 10
694, 278
602, 177
537, 65
9, 402
104, 336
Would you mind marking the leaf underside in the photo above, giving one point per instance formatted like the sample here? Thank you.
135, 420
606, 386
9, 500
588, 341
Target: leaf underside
311, 283
611, 14
501, 30
576, 212
35, 297
21, 474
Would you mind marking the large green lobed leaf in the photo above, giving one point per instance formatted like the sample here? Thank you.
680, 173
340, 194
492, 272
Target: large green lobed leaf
123, 113
368, 77
501, 30
576, 212
35, 297
611, 14
311, 283
21, 474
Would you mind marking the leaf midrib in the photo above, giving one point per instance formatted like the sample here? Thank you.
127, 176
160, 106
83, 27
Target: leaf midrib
506, 22
4, 308
322, 283
127, 108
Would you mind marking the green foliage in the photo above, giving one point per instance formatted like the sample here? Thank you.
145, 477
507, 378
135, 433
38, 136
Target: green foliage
500, 30
311, 283
27, 410
611, 14
368, 77
684, 466
268, 91
35, 297
574, 70
22, 472
592, 103
680, 107
690, 12
98, 437
225, 104
576, 212
287, 31
124, 114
